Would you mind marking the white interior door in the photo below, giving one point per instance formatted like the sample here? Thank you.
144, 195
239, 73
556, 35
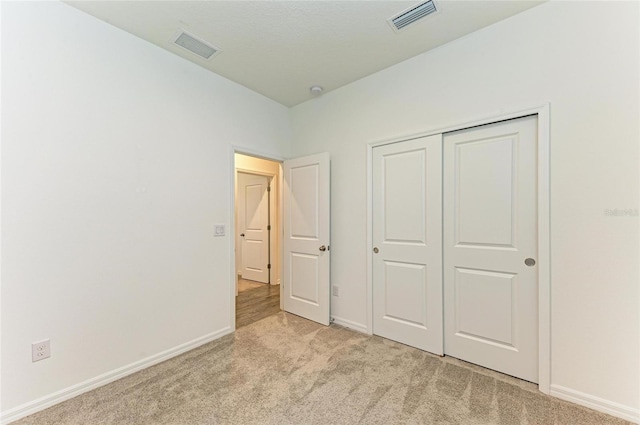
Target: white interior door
490, 243
253, 214
306, 237
407, 238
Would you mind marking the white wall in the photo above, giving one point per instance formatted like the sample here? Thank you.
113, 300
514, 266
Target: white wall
583, 59
116, 164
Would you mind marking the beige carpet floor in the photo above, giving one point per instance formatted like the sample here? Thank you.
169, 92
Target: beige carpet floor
287, 370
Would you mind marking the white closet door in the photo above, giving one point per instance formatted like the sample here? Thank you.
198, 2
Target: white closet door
490, 280
407, 235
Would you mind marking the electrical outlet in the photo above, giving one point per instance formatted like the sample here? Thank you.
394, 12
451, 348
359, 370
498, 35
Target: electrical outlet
40, 350
335, 291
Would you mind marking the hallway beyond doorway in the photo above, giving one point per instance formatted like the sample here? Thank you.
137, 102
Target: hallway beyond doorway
255, 301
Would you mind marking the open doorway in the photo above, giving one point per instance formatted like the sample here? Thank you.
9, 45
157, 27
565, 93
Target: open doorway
257, 238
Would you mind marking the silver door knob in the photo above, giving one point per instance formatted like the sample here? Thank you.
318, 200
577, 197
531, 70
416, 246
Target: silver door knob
376, 250
530, 262
323, 248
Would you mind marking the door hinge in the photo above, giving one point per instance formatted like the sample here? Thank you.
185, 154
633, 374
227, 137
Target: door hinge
268, 227
268, 188
269, 266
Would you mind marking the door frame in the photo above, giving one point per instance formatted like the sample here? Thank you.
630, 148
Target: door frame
233, 275
543, 214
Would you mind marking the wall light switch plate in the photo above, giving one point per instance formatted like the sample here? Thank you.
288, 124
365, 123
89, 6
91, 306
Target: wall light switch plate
219, 230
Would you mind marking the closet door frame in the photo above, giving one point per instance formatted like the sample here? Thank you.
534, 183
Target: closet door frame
543, 195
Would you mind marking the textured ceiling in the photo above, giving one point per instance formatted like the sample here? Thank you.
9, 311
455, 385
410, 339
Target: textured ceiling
281, 48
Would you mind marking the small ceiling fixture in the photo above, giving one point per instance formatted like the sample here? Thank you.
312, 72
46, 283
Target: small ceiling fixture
195, 45
316, 90
411, 15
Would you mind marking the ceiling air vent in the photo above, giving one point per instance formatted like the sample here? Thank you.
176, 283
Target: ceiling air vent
195, 45
412, 15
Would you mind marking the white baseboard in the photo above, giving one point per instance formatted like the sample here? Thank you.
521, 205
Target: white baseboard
93, 383
351, 325
596, 403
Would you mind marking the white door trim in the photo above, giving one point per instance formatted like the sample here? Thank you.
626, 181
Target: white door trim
544, 277
275, 205
232, 225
